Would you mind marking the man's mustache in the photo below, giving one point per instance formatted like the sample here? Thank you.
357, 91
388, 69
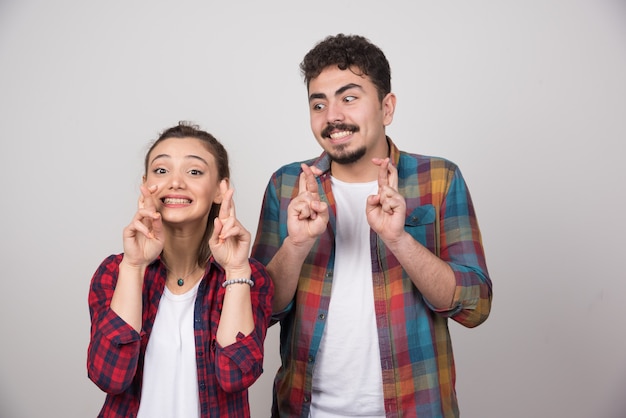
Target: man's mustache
339, 127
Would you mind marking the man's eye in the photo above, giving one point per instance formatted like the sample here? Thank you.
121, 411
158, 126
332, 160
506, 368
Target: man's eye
349, 98
318, 106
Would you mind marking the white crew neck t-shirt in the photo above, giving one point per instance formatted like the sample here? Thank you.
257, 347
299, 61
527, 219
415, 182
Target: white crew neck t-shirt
170, 376
347, 379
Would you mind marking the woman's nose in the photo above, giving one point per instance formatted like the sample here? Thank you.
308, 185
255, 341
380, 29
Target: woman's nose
177, 181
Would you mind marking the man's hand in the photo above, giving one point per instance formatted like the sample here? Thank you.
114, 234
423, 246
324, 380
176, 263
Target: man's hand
386, 211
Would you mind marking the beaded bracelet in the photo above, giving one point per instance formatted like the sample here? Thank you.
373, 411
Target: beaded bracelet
238, 281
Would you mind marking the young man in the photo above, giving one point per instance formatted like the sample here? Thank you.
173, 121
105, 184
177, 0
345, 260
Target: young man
371, 250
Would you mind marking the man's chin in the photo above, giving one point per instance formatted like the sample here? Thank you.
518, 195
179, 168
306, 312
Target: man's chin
347, 157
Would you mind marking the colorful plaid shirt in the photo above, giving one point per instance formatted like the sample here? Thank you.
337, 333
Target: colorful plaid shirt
416, 353
116, 351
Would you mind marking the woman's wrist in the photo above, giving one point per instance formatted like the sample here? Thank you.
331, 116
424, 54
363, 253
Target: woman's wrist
130, 266
237, 273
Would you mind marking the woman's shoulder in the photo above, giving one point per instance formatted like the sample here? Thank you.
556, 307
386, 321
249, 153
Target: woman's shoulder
111, 263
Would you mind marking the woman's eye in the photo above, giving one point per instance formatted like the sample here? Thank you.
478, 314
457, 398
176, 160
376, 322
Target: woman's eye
159, 171
195, 172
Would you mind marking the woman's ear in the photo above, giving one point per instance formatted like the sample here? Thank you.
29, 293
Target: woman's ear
143, 179
223, 188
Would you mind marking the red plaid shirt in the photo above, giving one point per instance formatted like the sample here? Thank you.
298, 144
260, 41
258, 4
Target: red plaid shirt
116, 351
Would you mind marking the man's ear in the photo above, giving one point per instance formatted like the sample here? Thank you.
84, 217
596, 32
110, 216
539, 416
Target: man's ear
223, 188
389, 107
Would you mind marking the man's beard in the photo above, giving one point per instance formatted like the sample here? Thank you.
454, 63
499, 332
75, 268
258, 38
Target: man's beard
339, 155
344, 158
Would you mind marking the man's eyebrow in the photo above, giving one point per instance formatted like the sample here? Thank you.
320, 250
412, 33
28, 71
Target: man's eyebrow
339, 91
315, 96
348, 87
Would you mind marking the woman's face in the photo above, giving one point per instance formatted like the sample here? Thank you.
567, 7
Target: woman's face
186, 176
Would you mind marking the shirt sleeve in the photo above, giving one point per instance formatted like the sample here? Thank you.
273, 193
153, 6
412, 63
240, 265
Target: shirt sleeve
272, 230
461, 247
113, 351
268, 238
240, 364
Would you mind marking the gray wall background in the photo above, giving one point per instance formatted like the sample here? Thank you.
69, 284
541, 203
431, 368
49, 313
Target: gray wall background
529, 98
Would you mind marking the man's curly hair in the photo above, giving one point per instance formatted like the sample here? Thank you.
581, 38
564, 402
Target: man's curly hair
349, 52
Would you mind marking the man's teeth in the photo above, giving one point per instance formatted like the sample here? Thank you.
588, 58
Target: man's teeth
339, 135
173, 201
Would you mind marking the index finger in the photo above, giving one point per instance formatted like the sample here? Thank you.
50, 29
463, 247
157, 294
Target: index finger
227, 208
383, 173
146, 200
392, 176
308, 181
387, 173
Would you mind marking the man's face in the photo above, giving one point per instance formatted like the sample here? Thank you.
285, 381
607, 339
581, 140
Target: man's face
347, 118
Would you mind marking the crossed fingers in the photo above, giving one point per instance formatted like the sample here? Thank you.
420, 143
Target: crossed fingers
388, 197
226, 215
387, 173
308, 195
146, 210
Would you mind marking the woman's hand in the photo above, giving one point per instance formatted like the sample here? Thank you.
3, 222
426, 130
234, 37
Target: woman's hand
144, 237
230, 241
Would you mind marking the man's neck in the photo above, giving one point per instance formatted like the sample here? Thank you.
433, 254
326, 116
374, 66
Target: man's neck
361, 171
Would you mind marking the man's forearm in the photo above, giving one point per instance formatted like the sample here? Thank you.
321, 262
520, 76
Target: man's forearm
432, 276
284, 269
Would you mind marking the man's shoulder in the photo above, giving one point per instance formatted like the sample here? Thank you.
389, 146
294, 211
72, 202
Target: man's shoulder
412, 160
289, 167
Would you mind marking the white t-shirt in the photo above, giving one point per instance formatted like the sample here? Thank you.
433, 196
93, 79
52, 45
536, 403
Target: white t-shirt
347, 379
170, 376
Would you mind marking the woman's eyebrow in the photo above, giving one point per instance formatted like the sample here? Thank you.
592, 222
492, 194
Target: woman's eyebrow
197, 157
190, 156
160, 156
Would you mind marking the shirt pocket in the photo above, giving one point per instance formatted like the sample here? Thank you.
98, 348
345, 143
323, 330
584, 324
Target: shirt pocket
421, 225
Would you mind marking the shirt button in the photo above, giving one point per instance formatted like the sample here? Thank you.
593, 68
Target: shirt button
202, 386
306, 399
322, 316
310, 359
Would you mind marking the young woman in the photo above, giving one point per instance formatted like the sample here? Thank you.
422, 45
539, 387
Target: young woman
178, 320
